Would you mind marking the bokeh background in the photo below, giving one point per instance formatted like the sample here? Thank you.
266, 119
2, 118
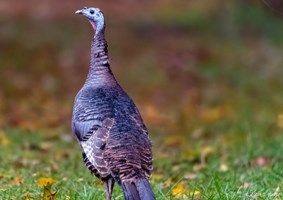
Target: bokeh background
175, 58
204, 74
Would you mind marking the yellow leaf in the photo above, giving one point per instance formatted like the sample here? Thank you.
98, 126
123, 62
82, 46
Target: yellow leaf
26, 196
191, 154
48, 194
4, 141
198, 167
168, 182
176, 168
195, 193
2, 176
152, 113
280, 121
205, 151
80, 180
157, 176
179, 191
174, 141
45, 182
216, 113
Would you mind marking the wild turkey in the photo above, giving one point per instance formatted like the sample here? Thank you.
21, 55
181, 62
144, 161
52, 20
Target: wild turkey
114, 140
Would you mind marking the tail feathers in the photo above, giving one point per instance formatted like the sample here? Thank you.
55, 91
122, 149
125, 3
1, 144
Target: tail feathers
130, 191
144, 189
138, 190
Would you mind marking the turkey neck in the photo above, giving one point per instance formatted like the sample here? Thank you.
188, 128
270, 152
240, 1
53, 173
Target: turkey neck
99, 71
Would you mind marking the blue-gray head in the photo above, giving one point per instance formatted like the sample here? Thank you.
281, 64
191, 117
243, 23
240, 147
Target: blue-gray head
95, 17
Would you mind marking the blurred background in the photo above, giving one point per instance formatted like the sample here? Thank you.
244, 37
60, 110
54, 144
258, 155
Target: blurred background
206, 76
181, 61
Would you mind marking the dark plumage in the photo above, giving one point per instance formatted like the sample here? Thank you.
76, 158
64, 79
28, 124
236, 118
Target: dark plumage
108, 125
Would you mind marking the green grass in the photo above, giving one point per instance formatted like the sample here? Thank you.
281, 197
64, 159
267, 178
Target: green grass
235, 143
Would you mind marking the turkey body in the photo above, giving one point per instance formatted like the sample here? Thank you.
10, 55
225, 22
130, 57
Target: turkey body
112, 135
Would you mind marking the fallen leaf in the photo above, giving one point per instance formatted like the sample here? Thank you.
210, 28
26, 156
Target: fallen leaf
190, 176
47, 183
191, 155
261, 161
198, 167
47, 194
45, 146
62, 155
245, 185
42, 182
18, 180
4, 141
205, 151
197, 133
28, 125
174, 141
280, 121
179, 191
152, 114
216, 113
23, 162
3, 176
195, 193
26, 196
168, 183
157, 176
223, 167
276, 192
176, 168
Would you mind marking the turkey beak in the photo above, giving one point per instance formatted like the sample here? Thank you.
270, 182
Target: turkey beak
79, 12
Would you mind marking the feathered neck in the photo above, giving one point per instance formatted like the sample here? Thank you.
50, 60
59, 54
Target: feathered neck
99, 72
99, 51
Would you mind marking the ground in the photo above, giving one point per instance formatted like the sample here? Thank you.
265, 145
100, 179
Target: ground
207, 78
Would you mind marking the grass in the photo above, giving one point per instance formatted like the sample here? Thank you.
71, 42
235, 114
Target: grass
216, 136
231, 158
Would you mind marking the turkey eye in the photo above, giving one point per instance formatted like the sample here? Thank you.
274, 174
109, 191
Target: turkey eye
91, 12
